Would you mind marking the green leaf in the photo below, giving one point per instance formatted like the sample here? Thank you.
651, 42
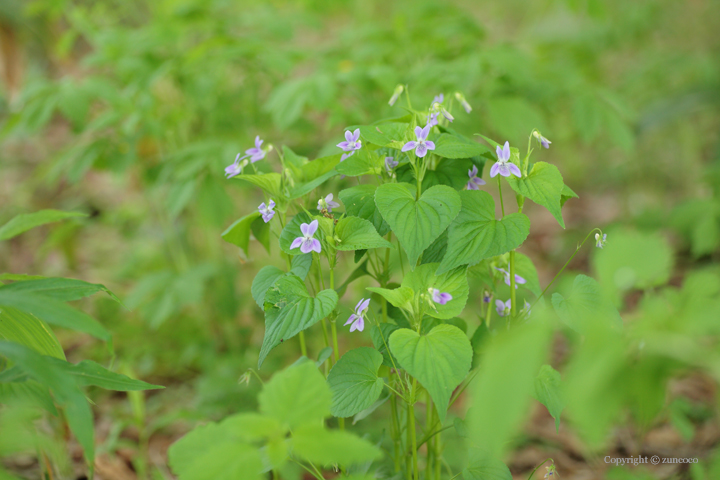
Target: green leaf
65, 289
567, 194
215, 452
417, 223
399, 297
53, 312
293, 158
24, 222
269, 182
435, 252
327, 447
261, 232
548, 392
439, 360
483, 466
296, 396
452, 146
544, 186
25, 329
67, 394
453, 282
315, 173
239, 232
359, 201
632, 260
356, 233
88, 372
526, 269
354, 381
384, 135
27, 394
585, 303
450, 172
475, 234
501, 392
363, 162
265, 278
289, 309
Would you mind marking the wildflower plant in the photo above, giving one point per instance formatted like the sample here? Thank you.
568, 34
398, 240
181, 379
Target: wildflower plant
415, 216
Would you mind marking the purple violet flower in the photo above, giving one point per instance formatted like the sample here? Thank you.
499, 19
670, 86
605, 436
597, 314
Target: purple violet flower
486, 297
327, 203
351, 144
307, 242
267, 211
432, 119
256, 153
518, 279
503, 308
475, 181
600, 242
422, 145
503, 165
390, 164
440, 297
357, 319
543, 141
438, 99
236, 167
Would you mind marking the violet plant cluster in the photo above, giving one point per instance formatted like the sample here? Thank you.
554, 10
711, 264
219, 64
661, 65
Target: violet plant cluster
401, 223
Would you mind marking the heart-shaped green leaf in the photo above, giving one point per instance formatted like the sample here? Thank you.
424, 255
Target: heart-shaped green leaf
453, 282
475, 234
239, 232
289, 309
383, 135
354, 381
417, 222
359, 201
269, 182
544, 186
355, 233
439, 360
548, 391
453, 146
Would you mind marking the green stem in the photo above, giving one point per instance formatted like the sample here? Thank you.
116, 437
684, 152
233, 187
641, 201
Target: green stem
577, 249
396, 432
502, 205
513, 303
488, 314
536, 468
303, 347
336, 349
411, 430
430, 451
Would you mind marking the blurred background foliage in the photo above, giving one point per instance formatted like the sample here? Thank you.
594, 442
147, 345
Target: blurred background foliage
129, 111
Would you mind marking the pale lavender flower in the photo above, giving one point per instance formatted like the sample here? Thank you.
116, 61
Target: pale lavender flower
503, 165
461, 98
357, 319
422, 145
437, 107
236, 167
256, 153
396, 94
506, 274
503, 308
486, 297
600, 242
440, 297
352, 142
307, 242
438, 99
267, 211
390, 164
543, 141
327, 203
475, 181
432, 119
